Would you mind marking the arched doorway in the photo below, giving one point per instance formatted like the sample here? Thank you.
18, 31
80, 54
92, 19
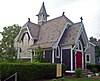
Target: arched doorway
79, 55
79, 59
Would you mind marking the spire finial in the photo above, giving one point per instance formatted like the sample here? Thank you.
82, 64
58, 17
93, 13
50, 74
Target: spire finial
43, 3
81, 18
63, 13
28, 19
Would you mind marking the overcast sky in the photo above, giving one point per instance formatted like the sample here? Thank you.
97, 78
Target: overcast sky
18, 12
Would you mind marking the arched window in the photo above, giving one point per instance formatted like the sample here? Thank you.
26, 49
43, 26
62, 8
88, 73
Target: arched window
79, 45
20, 50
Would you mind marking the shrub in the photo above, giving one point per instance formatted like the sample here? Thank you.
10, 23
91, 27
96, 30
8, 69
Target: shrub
99, 73
91, 66
38, 55
28, 71
62, 79
78, 72
63, 68
94, 70
54, 80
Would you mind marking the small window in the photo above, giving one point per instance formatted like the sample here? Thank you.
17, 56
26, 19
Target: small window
35, 40
32, 52
98, 58
43, 15
68, 25
88, 58
44, 54
20, 50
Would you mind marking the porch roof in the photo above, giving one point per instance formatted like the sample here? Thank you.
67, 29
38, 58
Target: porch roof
42, 45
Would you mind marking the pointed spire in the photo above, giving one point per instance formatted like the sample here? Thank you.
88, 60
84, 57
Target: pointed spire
43, 10
42, 15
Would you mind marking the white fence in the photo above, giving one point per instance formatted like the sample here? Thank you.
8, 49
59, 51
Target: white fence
15, 74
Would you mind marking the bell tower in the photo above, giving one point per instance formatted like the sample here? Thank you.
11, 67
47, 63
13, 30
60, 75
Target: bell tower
42, 15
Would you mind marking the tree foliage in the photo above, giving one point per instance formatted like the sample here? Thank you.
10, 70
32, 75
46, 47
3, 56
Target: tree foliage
38, 55
92, 39
97, 48
7, 50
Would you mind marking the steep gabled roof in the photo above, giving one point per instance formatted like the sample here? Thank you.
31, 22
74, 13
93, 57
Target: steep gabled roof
70, 34
43, 10
51, 31
31, 28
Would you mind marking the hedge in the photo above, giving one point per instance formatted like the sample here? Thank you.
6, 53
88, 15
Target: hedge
91, 66
29, 71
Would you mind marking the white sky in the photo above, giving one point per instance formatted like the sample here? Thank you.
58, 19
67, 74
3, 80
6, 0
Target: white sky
18, 12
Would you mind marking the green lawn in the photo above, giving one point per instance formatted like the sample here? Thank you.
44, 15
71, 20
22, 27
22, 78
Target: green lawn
76, 79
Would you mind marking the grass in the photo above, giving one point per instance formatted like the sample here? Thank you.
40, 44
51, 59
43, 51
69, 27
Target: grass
76, 79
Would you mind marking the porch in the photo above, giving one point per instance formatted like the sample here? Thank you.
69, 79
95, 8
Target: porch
24, 56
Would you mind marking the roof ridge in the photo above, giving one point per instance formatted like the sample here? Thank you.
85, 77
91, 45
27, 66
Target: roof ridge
67, 18
33, 23
30, 22
53, 19
77, 23
58, 18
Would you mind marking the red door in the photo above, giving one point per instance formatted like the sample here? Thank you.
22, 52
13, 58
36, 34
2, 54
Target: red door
79, 59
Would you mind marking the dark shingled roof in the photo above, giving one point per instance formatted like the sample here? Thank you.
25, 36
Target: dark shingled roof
33, 29
51, 31
48, 33
97, 43
70, 34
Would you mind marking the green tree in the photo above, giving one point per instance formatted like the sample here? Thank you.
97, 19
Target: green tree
38, 55
7, 50
97, 50
92, 39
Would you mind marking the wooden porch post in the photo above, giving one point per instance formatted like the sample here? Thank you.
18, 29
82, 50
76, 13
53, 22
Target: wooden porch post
18, 56
31, 56
52, 55
71, 59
